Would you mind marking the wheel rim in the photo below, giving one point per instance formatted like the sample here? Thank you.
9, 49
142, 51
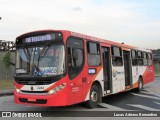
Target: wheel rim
94, 96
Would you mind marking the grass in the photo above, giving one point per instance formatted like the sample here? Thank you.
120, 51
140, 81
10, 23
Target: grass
6, 84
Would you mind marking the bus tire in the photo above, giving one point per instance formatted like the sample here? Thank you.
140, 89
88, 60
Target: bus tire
140, 85
94, 97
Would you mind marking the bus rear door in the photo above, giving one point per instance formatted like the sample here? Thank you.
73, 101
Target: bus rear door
106, 69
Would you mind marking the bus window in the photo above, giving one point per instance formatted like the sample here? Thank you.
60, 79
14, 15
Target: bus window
140, 58
117, 56
75, 56
75, 62
134, 58
145, 56
149, 59
93, 50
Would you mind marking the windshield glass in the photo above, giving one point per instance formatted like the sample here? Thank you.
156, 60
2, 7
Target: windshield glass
46, 60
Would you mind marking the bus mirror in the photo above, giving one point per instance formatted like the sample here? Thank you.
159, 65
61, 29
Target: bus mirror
75, 54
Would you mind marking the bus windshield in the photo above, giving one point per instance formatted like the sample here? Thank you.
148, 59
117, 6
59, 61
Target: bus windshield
46, 60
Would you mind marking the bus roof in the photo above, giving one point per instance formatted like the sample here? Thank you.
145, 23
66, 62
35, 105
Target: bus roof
88, 37
100, 40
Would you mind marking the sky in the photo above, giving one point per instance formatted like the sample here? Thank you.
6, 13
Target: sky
134, 22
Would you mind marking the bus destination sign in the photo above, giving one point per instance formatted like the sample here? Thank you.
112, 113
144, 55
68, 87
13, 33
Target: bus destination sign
39, 38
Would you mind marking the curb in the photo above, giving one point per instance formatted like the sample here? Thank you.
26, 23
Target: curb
157, 76
5, 94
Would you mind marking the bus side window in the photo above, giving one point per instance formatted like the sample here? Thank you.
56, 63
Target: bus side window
69, 57
140, 58
145, 57
134, 58
75, 56
93, 50
72, 61
117, 57
149, 59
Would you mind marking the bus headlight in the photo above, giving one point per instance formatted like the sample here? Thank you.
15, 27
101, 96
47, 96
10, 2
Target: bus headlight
17, 90
57, 89
51, 92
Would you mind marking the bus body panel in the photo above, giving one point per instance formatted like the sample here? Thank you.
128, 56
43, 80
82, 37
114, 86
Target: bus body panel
118, 79
92, 78
138, 71
148, 75
135, 75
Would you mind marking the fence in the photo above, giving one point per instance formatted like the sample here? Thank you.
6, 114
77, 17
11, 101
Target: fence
6, 75
157, 68
4, 72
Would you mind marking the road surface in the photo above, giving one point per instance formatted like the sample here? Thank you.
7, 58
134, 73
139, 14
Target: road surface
147, 100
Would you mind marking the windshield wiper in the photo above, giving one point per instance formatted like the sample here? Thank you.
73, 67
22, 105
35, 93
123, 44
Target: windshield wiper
43, 52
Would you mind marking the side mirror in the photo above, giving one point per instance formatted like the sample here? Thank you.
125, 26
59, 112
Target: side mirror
75, 55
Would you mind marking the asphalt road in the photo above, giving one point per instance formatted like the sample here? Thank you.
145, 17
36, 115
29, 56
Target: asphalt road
147, 100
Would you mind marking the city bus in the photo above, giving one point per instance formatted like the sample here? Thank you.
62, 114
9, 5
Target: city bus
62, 68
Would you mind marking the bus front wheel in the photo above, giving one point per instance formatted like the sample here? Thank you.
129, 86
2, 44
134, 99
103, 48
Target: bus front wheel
94, 97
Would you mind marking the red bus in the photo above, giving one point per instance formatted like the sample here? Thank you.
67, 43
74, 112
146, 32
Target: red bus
61, 68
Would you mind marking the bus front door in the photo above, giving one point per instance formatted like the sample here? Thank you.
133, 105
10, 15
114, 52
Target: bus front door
106, 69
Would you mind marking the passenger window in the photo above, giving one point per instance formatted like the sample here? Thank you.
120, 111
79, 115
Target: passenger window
134, 58
145, 57
75, 56
149, 59
117, 57
140, 58
93, 50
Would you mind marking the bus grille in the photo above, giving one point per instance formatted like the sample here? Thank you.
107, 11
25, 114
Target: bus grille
34, 92
33, 82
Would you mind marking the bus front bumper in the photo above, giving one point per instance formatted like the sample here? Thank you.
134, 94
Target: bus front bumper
58, 99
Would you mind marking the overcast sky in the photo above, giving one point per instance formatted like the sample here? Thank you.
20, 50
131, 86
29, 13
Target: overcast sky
134, 22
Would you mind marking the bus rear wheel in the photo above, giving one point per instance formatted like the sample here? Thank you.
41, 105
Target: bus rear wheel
140, 85
94, 97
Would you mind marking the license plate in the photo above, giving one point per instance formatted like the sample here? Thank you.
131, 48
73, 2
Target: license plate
31, 99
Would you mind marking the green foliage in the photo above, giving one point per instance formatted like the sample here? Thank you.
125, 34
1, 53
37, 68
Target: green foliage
6, 84
7, 60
